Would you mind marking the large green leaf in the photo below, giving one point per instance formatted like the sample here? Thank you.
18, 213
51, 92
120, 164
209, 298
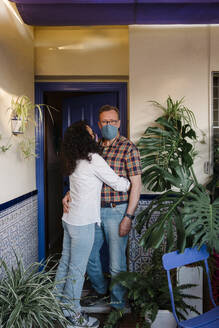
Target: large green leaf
165, 210
180, 176
201, 218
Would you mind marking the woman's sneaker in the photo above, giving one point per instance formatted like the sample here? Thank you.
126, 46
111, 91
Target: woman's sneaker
94, 298
83, 321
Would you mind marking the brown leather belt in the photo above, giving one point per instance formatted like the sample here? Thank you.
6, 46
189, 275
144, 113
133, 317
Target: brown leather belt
113, 204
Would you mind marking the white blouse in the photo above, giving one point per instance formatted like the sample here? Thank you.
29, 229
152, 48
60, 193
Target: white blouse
85, 190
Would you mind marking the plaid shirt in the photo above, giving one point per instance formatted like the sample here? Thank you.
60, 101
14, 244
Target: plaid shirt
123, 157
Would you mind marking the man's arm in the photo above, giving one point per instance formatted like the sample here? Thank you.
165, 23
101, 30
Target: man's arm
135, 191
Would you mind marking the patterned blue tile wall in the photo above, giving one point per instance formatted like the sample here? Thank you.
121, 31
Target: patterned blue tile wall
137, 257
19, 232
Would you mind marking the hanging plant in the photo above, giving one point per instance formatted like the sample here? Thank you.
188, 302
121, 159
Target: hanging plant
27, 148
21, 109
4, 148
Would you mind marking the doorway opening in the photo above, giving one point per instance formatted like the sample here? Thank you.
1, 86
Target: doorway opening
73, 103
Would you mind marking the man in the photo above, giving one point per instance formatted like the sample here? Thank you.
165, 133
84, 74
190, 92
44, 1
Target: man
117, 208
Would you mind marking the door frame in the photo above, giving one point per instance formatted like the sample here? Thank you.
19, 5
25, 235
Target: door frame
40, 88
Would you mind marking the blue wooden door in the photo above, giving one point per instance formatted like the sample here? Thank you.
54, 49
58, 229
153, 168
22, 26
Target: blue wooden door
86, 107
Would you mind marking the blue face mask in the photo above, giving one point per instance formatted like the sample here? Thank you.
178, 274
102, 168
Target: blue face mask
109, 132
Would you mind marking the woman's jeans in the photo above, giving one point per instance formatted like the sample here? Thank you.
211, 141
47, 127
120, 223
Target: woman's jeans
110, 221
77, 246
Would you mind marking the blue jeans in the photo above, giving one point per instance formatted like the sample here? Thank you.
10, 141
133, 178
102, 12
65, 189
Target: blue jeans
110, 220
77, 246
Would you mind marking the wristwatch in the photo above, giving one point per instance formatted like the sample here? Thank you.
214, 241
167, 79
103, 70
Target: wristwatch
130, 216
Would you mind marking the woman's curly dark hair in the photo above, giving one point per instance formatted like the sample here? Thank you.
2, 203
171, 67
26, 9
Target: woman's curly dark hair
77, 144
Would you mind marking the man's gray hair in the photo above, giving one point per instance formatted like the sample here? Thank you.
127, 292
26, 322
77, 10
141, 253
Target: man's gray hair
107, 108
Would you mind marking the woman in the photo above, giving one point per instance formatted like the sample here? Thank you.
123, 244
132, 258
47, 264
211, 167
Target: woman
87, 171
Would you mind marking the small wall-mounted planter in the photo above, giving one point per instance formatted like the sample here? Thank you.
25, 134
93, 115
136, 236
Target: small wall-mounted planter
17, 126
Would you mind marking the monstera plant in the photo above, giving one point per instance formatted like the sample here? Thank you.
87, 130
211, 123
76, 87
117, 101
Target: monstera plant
184, 214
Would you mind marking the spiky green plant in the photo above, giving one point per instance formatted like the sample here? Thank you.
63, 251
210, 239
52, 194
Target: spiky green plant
22, 108
177, 111
6, 147
27, 147
27, 298
183, 215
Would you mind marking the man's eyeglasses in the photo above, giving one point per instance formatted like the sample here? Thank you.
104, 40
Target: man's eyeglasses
111, 122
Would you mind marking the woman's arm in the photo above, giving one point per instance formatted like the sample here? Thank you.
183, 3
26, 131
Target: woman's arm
104, 172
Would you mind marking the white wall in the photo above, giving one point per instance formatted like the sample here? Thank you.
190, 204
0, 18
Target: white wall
17, 176
175, 61
214, 48
81, 51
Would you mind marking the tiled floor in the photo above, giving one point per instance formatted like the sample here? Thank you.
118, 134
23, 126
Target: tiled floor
127, 322
101, 312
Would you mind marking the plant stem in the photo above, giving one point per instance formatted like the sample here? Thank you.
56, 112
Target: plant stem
194, 176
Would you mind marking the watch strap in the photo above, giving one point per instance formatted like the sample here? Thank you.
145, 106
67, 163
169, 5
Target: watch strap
130, 216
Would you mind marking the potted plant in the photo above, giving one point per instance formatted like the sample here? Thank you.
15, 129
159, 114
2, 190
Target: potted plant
22, 112
27, 297
21, 109
149, 298
185, 212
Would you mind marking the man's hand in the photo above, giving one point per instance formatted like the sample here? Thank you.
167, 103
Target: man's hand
125, 226
65, 202
126, 223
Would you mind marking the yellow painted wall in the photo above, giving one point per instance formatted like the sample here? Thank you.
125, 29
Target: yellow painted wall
175, 61
17, 176
81, 51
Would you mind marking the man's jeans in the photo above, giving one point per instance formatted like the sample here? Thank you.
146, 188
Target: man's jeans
110, 221
77, 246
